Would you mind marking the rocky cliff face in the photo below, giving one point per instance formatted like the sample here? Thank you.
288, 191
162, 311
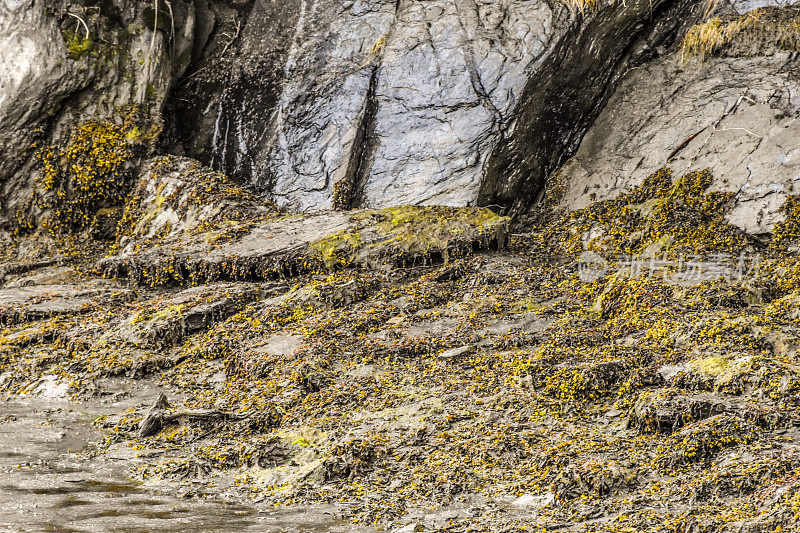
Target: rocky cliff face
327, 105
566, 369
63, 64
732, 109
379, 103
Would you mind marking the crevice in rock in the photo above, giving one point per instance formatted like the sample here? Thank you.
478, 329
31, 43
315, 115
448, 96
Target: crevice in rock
560, 103
349, 193
474, 74
219, 109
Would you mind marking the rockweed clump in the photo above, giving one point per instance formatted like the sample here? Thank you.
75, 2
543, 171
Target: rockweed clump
90, 173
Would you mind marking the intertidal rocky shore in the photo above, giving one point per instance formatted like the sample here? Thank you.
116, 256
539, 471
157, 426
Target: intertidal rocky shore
453, 265
434, 369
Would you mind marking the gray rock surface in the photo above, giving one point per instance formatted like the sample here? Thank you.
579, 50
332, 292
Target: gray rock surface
737, 116
380, 102
328, 73
187, 223
35, 75
564, 96
450, 76
407, 101
22, 304
743, 6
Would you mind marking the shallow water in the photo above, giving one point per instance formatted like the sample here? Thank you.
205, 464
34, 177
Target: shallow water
46, 484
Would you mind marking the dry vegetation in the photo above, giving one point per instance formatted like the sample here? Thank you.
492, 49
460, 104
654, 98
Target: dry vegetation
776, 27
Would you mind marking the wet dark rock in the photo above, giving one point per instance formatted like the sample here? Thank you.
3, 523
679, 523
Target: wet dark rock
264, 421
154, 420
572, 86
336, 293
351, 458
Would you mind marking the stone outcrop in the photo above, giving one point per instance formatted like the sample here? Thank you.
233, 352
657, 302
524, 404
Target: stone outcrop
379, 103
67, 62
24, 304
185, 223
570, 88
383, 102
734, 112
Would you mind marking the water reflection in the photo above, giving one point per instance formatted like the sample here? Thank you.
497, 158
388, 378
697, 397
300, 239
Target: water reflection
46, 486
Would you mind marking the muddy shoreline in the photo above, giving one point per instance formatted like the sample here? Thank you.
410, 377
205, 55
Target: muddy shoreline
57, 478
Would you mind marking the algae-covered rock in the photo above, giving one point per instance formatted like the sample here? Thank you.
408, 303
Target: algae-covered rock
668, 410
724, 101
759, 376
167, 321
175, 195
67, 64
23, 304
410, 235
595, 478
700, 442
175, 238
